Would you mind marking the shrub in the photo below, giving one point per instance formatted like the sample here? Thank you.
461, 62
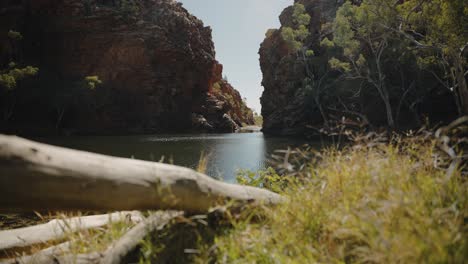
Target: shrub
92, 82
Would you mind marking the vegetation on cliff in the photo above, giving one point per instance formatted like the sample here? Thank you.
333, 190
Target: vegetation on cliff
369, 63
12, 74
414, 30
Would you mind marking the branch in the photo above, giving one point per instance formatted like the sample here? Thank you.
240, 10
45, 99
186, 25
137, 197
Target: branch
411, 38
132, 238
40, 177
58, 229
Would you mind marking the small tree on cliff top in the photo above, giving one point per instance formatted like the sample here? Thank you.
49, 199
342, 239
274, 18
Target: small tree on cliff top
296, 36
10, 76
296, 39
298, 33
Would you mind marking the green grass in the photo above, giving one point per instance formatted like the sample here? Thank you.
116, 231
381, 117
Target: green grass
97, 239
384, 204
371, 205
367, 203
81, 242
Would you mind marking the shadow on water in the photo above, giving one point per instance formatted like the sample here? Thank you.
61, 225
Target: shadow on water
227, 153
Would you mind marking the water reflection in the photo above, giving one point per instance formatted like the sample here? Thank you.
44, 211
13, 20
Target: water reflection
226, 152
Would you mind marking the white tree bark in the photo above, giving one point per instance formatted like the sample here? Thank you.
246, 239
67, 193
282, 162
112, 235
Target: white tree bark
47, 255
58, 229
40, 177
60, 253
121, 248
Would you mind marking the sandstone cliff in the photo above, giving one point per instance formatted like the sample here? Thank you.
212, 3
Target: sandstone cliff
301, 97
284, 108
155, 60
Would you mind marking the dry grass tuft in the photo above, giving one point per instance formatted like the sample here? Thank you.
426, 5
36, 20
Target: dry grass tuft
374, 204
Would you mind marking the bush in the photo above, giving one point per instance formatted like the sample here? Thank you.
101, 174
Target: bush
92, 82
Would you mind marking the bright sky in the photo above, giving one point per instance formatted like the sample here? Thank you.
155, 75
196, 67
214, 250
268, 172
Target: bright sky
239, 27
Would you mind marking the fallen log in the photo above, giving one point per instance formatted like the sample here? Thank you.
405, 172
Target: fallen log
35, 176
91, 258
58, 229
117, 252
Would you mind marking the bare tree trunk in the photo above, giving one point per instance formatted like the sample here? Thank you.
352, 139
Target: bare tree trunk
388, 109
117, 252
461, 87
381, 86
9, 106
60, 114
322, 112
40, 177
47, 255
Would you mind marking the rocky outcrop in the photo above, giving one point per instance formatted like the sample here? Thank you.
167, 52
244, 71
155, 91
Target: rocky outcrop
284, 107
302, 97
155, 60
223, 108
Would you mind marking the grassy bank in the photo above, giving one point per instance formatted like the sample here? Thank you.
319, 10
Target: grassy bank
403, 201
385, 203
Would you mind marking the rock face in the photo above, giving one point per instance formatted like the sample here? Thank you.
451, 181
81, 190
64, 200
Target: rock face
155, 60
288, 108
223, 109
283, 104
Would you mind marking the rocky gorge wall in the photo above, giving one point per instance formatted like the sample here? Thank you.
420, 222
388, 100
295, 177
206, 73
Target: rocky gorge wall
284, 108
295, 102
156, 63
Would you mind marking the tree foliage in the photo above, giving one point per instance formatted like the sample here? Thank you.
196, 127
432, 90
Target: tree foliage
10, 77
13, 73
377, 32
388, 61
298, 33
364, 42
92, 81
438, 32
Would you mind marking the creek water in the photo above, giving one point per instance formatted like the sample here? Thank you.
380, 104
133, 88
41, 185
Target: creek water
226, 153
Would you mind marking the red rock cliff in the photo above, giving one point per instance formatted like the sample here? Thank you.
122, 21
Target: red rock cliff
156, 62
283, 104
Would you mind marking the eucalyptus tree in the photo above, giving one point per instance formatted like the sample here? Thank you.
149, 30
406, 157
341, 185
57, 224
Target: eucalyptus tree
297, 37
364, 42
438, 32
433, 32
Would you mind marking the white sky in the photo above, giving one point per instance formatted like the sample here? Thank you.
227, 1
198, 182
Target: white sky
239, 27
